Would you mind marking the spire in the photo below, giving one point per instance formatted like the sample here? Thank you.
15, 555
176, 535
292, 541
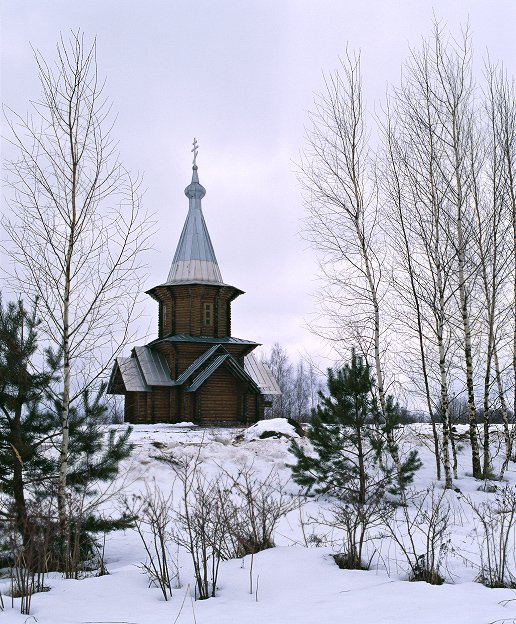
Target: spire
194, 260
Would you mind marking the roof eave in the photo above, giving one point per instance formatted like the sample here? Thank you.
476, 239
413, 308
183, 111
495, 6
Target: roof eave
185, 338
238, 291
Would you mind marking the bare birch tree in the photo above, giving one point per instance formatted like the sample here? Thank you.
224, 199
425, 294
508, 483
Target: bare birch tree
447, 182
423, 250
492, 259
342, 215
410, 271
282, 369
75, 224
501, 105
421, 271
336, 172
452, 99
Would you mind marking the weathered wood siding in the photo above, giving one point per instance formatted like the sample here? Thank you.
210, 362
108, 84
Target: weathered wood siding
181, 309
220, 398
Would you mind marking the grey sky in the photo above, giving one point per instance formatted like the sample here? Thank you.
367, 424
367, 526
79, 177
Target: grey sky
240, 76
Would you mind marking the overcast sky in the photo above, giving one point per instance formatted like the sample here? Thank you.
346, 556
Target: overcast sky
240, 76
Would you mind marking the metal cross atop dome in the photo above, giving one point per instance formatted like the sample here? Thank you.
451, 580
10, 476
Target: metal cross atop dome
194, 260
195, 151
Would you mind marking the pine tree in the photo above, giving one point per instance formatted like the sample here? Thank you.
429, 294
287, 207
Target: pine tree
343, 435
30, 425
405, 470
94, 458
26, 422
349, 440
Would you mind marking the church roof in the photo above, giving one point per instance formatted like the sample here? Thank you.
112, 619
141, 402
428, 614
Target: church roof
132, 376
148, 367
262, 375
153, 366
194, 260
203, 339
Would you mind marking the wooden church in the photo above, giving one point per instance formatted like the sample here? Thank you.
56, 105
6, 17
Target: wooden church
195, 370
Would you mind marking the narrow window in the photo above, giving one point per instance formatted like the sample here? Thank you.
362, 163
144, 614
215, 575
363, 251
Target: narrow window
208, 316
164, 315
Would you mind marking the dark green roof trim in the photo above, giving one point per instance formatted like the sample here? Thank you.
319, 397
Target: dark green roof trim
200, 379
197, 363
232, 363
203, 340
192, 282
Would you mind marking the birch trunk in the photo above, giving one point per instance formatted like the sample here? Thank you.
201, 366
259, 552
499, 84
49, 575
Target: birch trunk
75, 225
505, 136
464, 311
445, 408
343, 218
394, 186
454, 104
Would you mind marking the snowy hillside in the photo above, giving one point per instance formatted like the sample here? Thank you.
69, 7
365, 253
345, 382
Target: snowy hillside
295, 582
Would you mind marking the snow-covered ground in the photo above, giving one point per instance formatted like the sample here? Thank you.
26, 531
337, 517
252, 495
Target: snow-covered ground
292, 583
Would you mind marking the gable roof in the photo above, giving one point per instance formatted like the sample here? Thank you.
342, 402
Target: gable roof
197, 363
154, 367
207, 372
131, 374
234, 366
262, 375
147, 368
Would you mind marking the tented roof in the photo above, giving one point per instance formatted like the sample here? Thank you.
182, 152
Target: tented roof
194, 260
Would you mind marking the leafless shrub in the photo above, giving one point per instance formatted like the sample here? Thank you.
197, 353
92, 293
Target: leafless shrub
73, 545
25, 579
30, 553
356, 521
311, 531
153, 513
224, 516
349, 524
352, 515
421, 529
495, 523
79, 553
255, 506
201, 522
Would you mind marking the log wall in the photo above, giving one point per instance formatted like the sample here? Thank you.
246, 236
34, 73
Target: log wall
181, 309
221, 399
180, 355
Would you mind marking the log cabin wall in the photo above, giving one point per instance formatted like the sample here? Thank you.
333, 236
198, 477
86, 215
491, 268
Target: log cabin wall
182, 309
163, 405
220, 399
136, 408
180, 355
